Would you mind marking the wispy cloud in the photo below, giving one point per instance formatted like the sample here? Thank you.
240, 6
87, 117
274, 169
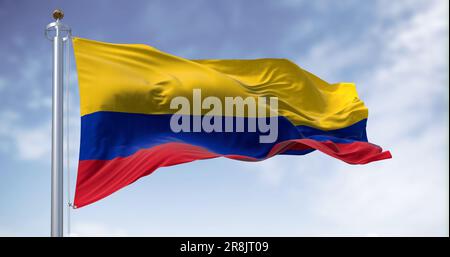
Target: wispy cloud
406, 88
2, 83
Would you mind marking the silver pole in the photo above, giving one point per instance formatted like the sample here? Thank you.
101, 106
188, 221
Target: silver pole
60, 33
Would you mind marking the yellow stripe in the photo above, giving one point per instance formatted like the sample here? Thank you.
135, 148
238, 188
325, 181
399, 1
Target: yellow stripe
137, 78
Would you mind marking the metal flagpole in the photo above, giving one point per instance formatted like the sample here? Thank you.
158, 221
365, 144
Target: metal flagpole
57, 32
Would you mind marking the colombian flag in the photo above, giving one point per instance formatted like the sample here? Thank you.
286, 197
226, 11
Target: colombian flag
125, 97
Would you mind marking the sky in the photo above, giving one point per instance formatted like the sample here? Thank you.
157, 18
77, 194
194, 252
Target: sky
395, 51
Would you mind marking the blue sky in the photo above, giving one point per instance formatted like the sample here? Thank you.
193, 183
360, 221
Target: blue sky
395, 51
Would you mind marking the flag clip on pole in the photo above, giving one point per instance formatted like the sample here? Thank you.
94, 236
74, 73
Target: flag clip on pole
58, 33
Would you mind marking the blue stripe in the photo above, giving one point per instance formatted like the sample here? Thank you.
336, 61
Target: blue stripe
107, 135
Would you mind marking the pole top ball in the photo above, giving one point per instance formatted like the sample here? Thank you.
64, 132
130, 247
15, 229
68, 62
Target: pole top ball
58, 14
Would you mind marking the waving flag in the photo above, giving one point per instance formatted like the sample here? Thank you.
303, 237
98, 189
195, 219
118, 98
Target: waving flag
128, 128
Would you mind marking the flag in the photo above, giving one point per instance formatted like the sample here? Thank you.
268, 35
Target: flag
134, 119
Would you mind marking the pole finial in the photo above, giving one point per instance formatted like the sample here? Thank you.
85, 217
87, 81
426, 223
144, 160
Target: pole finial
58, 14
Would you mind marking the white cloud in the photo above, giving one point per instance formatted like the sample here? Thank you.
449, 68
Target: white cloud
7, 120
406, 89
21, 141
269, 172
404, 196
33, 143
39, 100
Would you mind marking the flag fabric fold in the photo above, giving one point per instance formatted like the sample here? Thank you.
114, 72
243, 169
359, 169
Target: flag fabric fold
125, 101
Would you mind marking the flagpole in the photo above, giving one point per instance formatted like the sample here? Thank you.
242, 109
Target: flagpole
57, 32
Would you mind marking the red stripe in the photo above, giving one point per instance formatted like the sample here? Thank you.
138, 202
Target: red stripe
100, 178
